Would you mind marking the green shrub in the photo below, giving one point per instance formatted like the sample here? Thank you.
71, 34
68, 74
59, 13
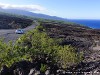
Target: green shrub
35, 43
43, 68
67, 56
41, 43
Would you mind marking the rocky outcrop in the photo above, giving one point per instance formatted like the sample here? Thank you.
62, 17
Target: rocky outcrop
81, 37
84, 67
29, 68
8, 21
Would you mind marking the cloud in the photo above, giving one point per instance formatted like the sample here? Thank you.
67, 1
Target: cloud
23, 7
32, 8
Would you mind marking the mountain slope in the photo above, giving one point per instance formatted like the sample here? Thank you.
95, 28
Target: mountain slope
8, 21
27, 13
81, 37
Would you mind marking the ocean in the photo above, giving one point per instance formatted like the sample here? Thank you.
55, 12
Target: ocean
90, 23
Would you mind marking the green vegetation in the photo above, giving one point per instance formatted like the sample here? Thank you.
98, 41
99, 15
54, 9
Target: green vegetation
43, 68
37, 43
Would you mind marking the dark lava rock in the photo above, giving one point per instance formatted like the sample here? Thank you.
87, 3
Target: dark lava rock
4, 70
21, 68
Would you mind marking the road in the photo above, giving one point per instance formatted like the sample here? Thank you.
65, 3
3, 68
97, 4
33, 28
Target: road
10, 35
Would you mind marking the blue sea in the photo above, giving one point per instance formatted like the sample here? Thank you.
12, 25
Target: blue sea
90, 23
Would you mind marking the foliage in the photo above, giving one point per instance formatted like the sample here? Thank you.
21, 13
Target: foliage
35, 43
43, 68
67, 56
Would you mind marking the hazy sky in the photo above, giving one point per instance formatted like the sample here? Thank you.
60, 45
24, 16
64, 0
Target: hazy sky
77, 9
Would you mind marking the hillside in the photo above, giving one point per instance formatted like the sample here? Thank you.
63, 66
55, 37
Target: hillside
85, 39
8, 21
55, 46
31, 14
82, 37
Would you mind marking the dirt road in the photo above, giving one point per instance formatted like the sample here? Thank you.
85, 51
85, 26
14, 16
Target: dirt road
10, 35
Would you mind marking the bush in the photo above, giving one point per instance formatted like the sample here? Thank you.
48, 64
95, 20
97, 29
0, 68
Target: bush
37, 43
67, 56
41, 43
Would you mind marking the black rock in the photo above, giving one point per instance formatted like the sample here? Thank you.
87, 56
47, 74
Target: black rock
4, 70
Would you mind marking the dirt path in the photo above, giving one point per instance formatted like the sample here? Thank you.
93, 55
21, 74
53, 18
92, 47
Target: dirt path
10, 35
